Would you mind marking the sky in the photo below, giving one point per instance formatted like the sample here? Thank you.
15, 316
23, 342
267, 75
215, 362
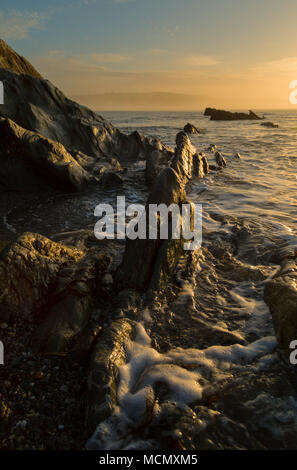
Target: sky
236, 54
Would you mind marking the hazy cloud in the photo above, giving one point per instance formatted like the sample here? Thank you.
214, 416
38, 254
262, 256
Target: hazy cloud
199, 61
15, 24
157, 51
286, 67
108, 58
89, 63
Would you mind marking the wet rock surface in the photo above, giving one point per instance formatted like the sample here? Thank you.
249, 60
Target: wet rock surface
73, 301
31, 162
103, 372
154, 260
281, 297
29, 269
72, 140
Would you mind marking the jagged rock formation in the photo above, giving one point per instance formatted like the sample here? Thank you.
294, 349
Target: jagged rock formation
30, 161
28, 271
221, 115
221, 161
191, 129
54, 283
38, 106
281, 297
108, 355
10, 60
153, 260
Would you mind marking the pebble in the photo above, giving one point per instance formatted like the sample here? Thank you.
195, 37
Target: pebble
22, 424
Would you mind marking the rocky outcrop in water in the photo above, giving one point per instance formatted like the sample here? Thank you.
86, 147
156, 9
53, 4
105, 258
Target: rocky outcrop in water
187, 162
221, 115
270, 125
208, 111
221, 162
191, 129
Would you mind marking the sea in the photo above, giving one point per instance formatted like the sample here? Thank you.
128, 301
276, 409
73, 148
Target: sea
262, 186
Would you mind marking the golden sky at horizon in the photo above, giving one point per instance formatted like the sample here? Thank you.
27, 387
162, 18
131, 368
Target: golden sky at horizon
222, 53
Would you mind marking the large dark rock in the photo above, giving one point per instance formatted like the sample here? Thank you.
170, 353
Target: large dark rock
30, 161
44, 109
54, 284
29, 269
281, 297
71, 305
221, 115
38, 106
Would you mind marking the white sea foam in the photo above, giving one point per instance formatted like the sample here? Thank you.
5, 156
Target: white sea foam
186, 372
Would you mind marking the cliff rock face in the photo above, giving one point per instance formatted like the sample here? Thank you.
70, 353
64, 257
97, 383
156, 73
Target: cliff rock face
36, 105
11, 60
30, 161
